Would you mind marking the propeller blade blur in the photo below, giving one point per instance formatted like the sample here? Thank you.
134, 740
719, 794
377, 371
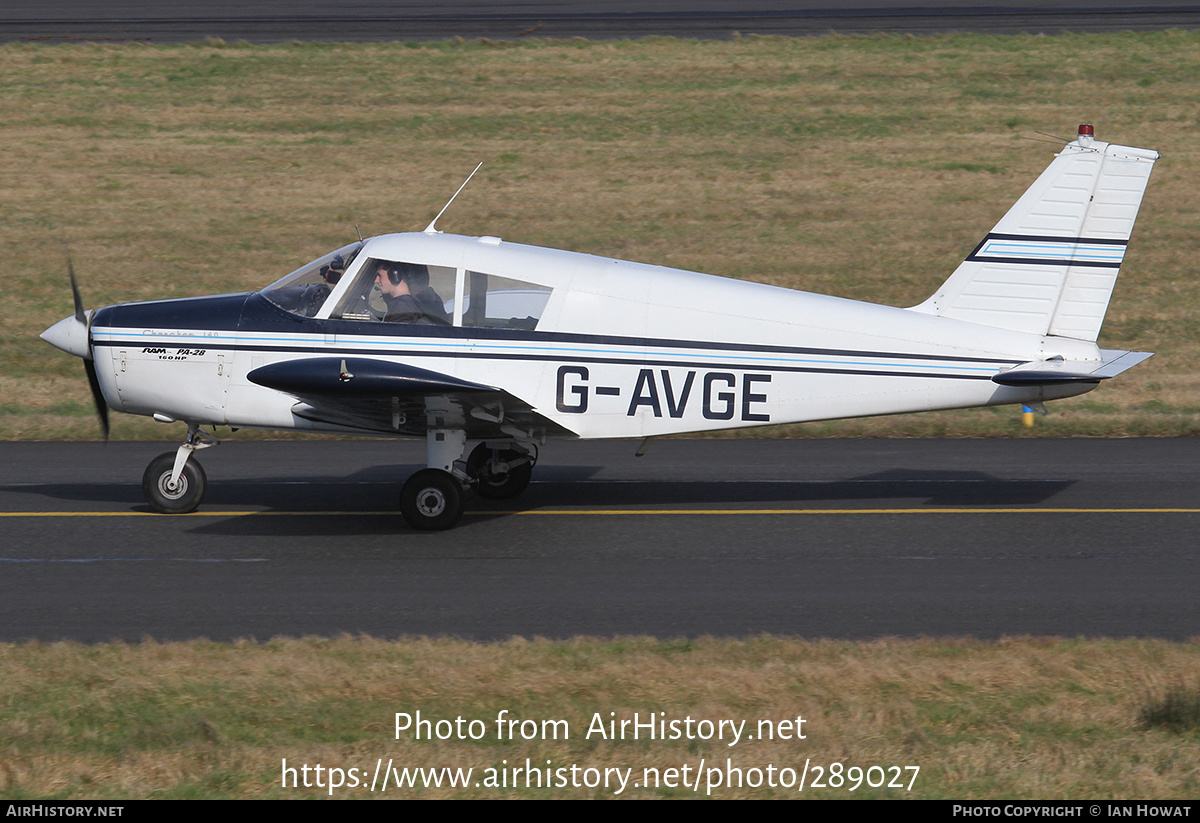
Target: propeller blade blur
79, 315
97, 396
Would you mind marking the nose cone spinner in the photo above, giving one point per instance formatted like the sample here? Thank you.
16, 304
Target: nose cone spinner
71, 335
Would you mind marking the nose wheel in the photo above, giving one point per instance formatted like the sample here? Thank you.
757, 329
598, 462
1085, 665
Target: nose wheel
174, 482
178, 496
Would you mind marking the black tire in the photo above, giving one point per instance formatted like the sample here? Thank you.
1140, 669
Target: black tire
180, 500
497, 486
432, 500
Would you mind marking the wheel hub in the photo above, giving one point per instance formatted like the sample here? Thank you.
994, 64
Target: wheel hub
431, 502
172, 490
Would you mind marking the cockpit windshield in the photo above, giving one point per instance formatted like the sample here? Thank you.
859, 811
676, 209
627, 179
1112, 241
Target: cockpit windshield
304, 291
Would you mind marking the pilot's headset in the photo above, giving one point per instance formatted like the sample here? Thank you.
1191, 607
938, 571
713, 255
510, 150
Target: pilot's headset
416, 274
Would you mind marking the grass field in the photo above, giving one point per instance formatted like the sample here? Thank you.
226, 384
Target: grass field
1017, 719
860, 166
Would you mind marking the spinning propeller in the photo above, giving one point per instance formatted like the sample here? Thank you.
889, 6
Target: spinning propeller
73, 335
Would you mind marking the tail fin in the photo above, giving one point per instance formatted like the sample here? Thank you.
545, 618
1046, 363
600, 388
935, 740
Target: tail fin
1049, 265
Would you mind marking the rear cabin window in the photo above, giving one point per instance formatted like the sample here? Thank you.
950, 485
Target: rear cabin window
493, 302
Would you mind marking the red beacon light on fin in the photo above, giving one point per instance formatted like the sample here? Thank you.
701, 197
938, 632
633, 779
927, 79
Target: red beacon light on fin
1087, 130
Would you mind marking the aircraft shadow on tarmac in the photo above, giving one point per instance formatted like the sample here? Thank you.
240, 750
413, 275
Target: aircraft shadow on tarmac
354, 497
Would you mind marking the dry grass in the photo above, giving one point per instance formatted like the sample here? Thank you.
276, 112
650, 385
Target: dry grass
1022, 718
860, 166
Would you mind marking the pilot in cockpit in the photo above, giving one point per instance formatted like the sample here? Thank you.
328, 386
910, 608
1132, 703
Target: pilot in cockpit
409, 297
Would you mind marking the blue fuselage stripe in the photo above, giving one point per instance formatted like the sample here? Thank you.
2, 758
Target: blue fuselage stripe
970, 368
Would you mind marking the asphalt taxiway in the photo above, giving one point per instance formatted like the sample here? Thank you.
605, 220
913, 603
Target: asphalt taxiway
812, 538
275, 21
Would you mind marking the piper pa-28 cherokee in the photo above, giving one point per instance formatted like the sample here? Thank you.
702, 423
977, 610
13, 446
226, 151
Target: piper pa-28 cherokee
487, 348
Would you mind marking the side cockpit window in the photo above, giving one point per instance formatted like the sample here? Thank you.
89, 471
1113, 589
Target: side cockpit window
305, 290
405, 291
398, 291
494, 302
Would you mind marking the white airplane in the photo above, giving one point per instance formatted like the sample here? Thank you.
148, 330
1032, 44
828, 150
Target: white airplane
488, 348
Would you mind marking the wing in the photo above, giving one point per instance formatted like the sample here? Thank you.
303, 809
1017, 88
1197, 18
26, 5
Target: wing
393, 398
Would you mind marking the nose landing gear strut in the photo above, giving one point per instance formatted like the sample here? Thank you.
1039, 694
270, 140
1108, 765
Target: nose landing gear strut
173, 483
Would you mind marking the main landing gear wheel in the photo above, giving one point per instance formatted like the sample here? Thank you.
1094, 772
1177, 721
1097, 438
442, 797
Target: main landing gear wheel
495, 478
432, 500
178, 498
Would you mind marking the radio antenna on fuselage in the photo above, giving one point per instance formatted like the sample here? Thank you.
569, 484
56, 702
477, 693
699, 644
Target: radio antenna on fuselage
430, 229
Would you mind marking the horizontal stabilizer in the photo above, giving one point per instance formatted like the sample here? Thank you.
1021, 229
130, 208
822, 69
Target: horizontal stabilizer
1059, 371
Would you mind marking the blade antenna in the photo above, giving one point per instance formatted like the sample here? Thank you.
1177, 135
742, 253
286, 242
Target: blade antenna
430, 228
